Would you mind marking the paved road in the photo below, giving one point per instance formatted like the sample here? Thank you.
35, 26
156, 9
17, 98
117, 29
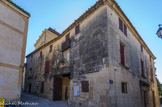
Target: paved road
41, 102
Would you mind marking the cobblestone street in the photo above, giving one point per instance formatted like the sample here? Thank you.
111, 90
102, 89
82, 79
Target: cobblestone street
41, 102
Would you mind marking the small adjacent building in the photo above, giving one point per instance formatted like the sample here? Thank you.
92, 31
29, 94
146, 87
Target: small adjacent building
100, 60
13, 35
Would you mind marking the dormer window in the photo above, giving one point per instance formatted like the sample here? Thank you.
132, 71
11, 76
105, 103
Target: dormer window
77, 29
122, 27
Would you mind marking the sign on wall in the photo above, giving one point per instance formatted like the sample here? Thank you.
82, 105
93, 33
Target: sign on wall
76, 91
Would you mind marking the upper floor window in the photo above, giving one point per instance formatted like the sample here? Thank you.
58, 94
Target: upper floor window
152, 75
50, 48
67, 37
124, 87
77, 29
150, 58
47, 66
122, 54
40, 53
122, 27
142, 68
141, 48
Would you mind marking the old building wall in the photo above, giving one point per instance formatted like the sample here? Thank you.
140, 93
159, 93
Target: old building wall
13, 34
93, 60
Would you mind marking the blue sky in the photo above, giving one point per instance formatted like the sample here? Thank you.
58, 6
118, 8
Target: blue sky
145, 15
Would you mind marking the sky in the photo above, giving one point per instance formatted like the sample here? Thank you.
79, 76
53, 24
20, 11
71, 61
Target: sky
145, 16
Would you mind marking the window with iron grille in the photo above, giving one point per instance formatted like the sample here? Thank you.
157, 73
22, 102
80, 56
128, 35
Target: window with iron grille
85, 86
124, 87
77, 29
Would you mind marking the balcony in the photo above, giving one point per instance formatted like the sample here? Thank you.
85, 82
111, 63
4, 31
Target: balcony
66, 45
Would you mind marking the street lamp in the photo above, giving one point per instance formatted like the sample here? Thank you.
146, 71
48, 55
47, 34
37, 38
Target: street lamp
159, 32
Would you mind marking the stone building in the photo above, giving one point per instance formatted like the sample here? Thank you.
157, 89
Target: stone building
13, 35
100, 60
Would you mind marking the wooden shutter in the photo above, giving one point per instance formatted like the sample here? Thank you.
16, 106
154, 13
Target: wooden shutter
47, 66
77, 29
120, 24
122, 55
125, 30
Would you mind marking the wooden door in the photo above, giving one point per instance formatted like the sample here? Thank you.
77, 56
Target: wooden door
57, 92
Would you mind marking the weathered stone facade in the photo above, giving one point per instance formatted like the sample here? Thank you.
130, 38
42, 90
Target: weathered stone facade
89, 63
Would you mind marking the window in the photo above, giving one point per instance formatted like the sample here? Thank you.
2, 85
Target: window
125, 30
152, 75
124, 87
50, 48
85, 86
120, 24
142, 68
122, 27
150, 58
67, 36
41, 54
77, 29
141, 48
47, 66
122, 54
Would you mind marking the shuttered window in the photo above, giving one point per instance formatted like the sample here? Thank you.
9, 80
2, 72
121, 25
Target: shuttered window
122, 27
77, 29
142, 68
125, 30
122, 54
120, 24
50, 48
47, 66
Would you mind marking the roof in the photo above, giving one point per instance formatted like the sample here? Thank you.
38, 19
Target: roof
53, 31
113, 4
10, 1
49, 30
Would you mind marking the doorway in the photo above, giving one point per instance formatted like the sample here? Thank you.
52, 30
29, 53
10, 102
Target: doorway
61, 89
30, 85
57, 91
